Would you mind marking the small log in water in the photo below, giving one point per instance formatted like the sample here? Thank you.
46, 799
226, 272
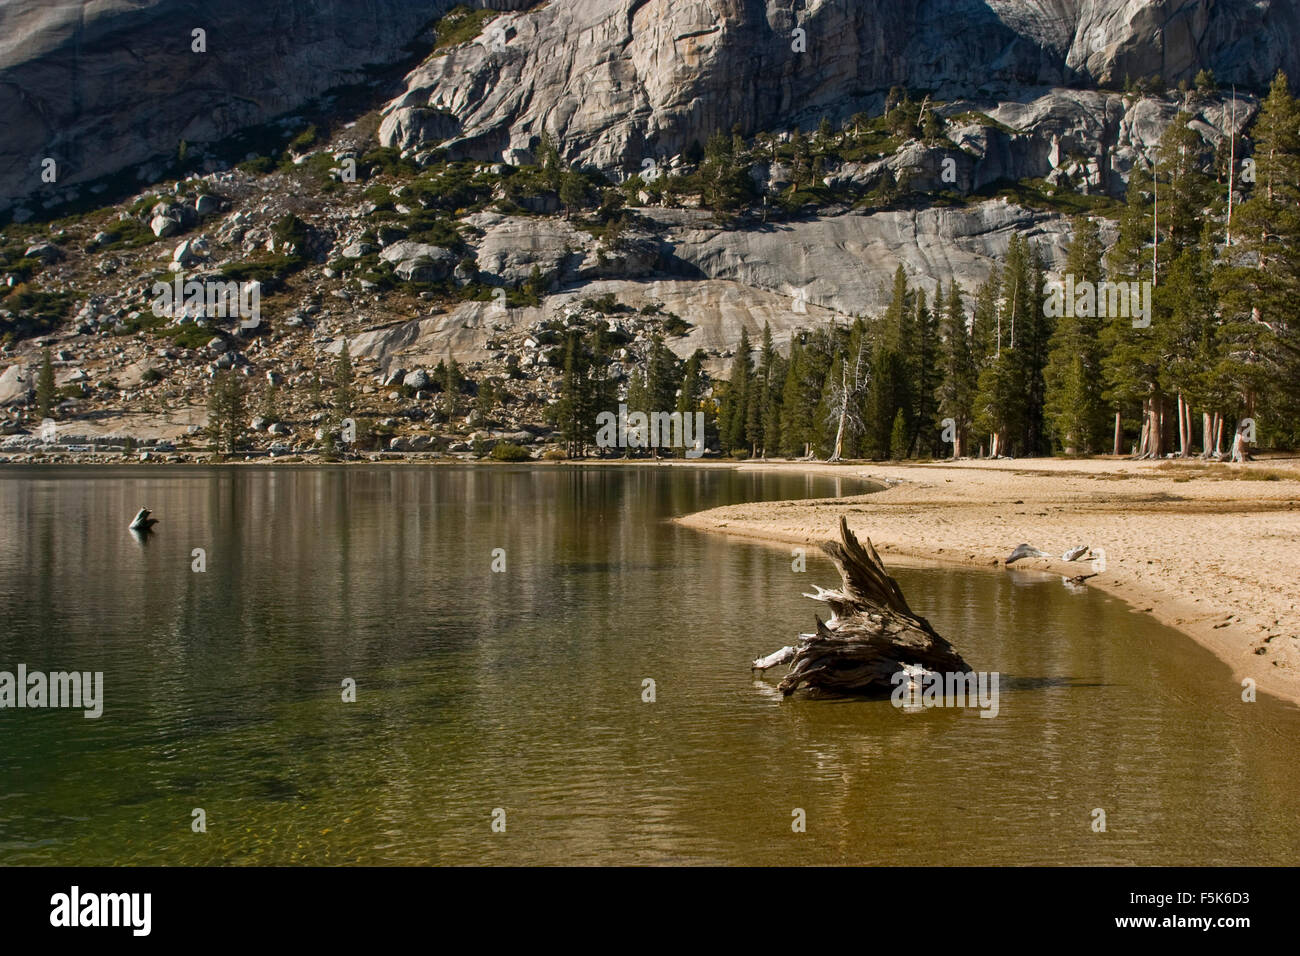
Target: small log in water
872, 633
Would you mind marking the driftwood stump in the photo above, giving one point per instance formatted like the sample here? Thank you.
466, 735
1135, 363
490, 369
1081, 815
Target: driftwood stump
872, 633
142, 521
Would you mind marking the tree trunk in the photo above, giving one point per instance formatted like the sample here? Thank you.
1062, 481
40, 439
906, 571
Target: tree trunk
1184, 427
1152, 444
1119, 435
872, 634
1239, 445
844, 411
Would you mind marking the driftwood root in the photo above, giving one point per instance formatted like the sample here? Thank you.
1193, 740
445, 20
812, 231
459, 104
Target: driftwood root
871, 636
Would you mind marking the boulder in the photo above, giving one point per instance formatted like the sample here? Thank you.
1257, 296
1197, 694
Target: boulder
419, 261
186, 253
355, 250
417, 380
47, 252
163, 226
16, 386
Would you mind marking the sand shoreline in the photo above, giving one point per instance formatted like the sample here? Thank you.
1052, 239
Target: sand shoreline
1198, 547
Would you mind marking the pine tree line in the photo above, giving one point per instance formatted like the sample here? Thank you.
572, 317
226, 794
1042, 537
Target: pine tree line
1005, 369
1004, 373
588, 388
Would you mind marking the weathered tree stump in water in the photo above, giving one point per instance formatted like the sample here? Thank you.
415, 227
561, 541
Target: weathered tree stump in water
871, 635
142, 522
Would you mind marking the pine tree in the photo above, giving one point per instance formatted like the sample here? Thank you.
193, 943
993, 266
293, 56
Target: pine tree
723, 183
1260, 284
344, 377
984, 347
763, 409
796, 411
956, 389
1186, 337
1038, 328
690, 399
821, 350
735, 404
692, 393
882, 403
1132, 361
900, 333
1184, 188
774, 413
663, 380
984, 320
999, 400
534, 286
599, 392
663, 377
573, 192
895, 369
270, 404
925, 376
898, 440
568, 411
226, 412
451, 384
45, 385
1074, 405
1008, 392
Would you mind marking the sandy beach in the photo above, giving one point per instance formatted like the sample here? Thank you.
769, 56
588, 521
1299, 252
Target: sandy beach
1210, 549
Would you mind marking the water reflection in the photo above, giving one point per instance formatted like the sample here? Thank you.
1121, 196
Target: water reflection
523, 689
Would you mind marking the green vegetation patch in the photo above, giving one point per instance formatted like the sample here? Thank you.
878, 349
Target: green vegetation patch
507, 451
1040, 194
127, 234
36, 312
460, 25
271, 271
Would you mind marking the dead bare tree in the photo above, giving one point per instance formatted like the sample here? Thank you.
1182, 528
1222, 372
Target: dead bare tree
871, 635
845, 403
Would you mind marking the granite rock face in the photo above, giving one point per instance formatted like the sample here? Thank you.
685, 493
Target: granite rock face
104, 87
846, 263
794, 275
99, 87
616, 82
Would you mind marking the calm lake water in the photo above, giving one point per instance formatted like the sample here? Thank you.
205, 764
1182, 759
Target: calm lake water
522, 690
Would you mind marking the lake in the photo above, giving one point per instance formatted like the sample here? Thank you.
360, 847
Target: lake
522, 690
